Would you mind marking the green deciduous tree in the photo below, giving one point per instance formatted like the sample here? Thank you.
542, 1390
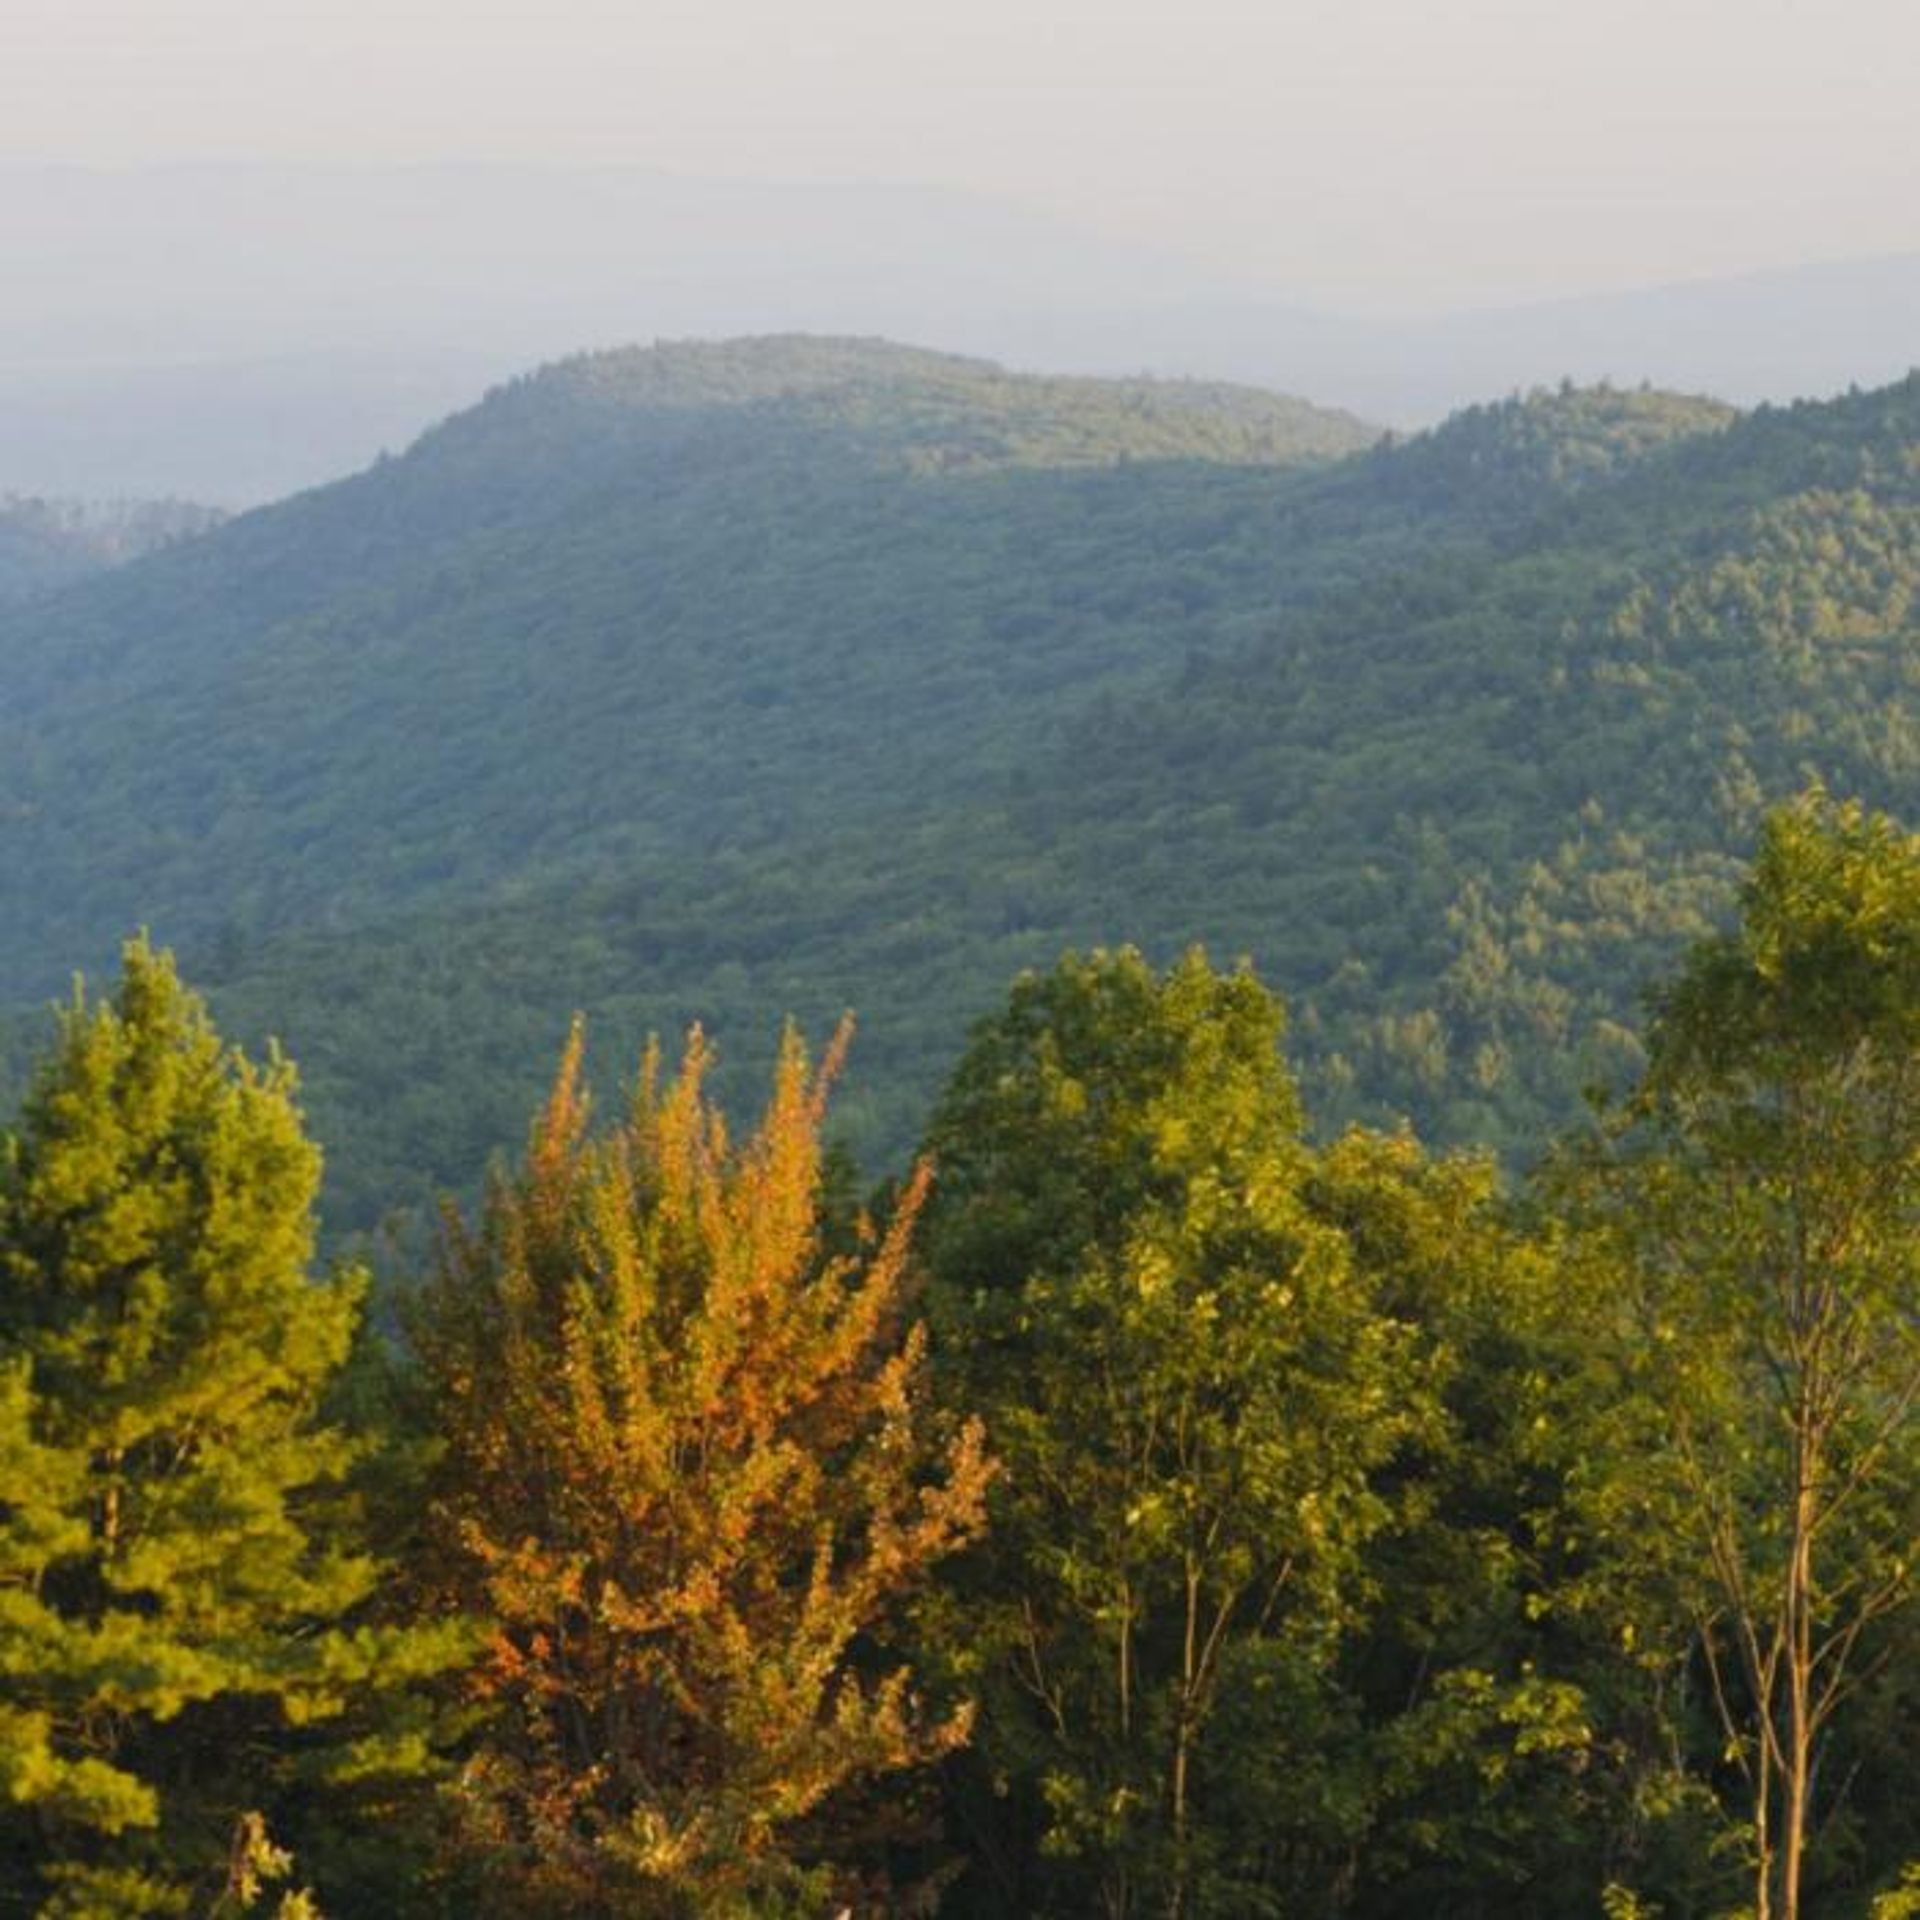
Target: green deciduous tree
1190, 1388
1474, 1768
1755, 1229
180, 1591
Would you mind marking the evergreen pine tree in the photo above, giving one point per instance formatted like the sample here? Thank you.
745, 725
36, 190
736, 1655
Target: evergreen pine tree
180, 1596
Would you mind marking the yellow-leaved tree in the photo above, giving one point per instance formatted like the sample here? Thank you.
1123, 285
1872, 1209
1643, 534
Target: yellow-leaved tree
690, 1471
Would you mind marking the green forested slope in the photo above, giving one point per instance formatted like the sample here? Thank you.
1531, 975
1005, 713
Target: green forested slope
638, 606
794, 674
1490, 796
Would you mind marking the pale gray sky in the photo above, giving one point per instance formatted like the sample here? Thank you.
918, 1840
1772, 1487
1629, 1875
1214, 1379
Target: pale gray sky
1372, 153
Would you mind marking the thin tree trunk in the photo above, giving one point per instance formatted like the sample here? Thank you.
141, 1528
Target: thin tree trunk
1118, 1890
1800, 1728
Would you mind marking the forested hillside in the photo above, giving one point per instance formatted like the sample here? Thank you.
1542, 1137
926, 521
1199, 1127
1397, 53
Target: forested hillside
690, 682
619, 610
1155, 1495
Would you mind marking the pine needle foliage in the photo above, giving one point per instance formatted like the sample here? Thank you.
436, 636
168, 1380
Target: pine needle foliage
689, 1471
183, 1601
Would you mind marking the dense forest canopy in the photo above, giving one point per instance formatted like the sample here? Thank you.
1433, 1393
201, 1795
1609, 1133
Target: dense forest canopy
683, 682
1142, 1509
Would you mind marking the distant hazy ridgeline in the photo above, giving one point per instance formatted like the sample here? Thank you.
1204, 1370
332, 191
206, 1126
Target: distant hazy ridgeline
241, 330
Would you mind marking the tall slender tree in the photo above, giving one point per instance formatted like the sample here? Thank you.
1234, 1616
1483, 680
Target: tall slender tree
1756, 1217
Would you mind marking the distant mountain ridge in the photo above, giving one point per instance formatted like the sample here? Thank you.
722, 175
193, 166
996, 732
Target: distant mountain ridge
244, 332
931, 410
1772, 336
781, 675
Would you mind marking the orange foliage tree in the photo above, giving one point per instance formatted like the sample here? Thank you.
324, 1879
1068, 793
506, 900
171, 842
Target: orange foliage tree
689, 1469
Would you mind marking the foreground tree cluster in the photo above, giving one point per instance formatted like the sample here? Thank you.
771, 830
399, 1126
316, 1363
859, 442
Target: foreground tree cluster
1140, 1510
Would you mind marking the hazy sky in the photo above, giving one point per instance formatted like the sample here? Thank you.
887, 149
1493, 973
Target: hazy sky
1381, 153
